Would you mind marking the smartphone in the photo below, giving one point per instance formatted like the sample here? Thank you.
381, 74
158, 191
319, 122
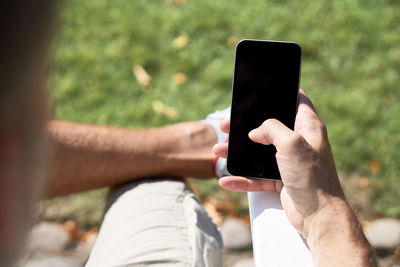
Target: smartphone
265, 85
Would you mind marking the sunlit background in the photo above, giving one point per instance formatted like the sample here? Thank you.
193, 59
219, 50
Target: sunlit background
148, 63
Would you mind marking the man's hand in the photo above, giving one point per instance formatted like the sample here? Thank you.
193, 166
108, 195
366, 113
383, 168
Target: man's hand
85, 157
311, 194
305, 161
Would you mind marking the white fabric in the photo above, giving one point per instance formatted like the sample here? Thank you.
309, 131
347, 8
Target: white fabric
214, 119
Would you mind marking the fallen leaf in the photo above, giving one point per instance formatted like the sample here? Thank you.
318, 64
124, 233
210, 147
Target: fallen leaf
193, 187
232, 41
158, 106
245, 218
167, 111
87, 235
171, 112
179, 78
214, 214
69, 225
219, 210
363, 183
74, 232
142, 77
374, 166
223, 206
180, 41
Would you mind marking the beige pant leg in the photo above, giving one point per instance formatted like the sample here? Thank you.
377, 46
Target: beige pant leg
156, 223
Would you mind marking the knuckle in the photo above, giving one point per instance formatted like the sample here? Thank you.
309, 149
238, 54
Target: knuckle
324, 133
313, 117
319, 126
324, 130
295, 140
269, 123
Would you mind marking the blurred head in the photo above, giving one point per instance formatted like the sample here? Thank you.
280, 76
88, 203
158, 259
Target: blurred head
25, 32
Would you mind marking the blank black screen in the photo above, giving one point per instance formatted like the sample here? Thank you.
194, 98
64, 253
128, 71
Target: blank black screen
265, 85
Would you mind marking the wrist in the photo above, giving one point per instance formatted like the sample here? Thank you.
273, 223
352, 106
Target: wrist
326, 220
335, 230
189, 151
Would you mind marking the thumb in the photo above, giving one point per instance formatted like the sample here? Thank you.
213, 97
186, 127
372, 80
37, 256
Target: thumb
272, 132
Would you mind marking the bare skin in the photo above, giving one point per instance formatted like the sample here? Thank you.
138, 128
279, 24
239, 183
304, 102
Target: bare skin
311, 194
85, 157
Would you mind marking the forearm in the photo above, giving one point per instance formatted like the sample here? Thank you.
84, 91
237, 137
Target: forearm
85, 157
336, 238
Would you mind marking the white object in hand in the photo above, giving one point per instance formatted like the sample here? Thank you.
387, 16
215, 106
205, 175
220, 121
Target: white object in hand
275, 242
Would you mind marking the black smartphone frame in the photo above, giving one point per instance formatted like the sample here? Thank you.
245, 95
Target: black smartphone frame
265, 166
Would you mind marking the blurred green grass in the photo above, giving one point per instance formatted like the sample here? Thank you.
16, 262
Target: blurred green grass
351, 64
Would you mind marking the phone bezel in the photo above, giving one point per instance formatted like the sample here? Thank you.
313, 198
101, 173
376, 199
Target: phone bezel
241, 42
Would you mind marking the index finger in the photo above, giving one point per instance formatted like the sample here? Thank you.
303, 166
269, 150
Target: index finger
224, 125
276, 133
305, 102
305, 109
242, 184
